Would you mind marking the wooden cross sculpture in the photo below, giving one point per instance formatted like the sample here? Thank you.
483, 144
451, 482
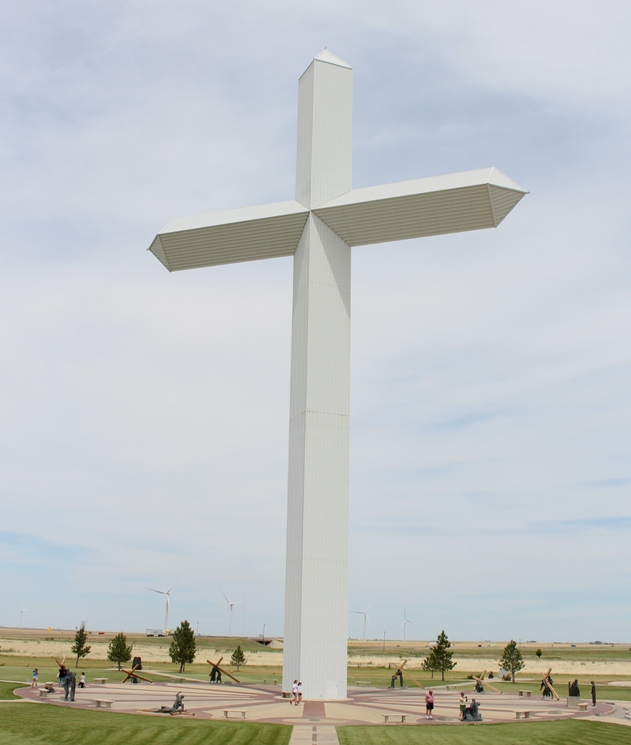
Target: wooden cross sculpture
545, 679
131, 674
401, 671
481, 688
221, 670
62, 665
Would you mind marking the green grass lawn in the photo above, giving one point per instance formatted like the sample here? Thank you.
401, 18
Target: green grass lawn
569, 732
6, 691
39, 724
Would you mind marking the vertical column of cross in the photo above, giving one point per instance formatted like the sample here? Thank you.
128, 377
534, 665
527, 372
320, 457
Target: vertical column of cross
316, 605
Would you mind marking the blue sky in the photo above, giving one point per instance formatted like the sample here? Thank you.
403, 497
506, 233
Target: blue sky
144, 416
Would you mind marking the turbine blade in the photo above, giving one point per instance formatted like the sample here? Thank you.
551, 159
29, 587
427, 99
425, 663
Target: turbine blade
224, 594
173, 585
162, 592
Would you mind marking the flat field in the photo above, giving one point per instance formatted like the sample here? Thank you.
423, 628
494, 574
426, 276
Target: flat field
608, 665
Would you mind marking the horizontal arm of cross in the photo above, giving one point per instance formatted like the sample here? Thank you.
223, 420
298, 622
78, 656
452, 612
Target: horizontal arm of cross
416, 209
412, 209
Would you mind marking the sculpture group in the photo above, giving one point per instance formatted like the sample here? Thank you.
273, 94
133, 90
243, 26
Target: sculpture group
319, 227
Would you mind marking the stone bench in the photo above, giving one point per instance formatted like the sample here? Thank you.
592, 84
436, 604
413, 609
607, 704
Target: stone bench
520, 714
272, 682
103, 702
527, 694
362, 683
400, 718
100, 681
582, 706
227, 712
43, 693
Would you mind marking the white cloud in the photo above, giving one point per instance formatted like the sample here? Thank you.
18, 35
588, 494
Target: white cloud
143, 419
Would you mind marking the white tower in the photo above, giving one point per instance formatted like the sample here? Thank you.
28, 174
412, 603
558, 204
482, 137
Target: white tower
319, 228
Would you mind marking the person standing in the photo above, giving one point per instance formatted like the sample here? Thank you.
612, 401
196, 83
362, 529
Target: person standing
294, 693
34, 682
82, 681
463, 705
593, 693
429, 704
299, 692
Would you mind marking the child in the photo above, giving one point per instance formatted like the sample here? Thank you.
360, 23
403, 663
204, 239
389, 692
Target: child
34, 683
82, 681
463, 705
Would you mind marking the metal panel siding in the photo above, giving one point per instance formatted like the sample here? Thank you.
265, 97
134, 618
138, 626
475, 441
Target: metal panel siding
411, 216
503, 201
316, 622
304, 141
324, 148
245, 214
233, 242
158, 251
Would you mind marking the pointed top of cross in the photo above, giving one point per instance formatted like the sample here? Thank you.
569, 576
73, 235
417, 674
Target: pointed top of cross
327, 56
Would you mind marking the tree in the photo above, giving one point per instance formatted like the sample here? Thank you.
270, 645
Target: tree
118, 650
442, 655
512, 659
80, 646
429, 663
539, 653
183, 648
238, 658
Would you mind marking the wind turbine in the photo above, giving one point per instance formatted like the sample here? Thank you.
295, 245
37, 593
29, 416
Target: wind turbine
167, 594
230, 604
364, 613
21, 611
405, 623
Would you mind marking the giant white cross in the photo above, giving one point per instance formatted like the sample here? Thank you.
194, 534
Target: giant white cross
319, 228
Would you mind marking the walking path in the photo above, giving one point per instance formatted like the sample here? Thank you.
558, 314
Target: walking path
315, 722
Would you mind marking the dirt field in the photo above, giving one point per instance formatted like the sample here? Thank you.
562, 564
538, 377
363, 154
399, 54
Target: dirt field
581, 660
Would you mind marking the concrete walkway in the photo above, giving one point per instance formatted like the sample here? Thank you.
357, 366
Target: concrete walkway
315, 721
316, 733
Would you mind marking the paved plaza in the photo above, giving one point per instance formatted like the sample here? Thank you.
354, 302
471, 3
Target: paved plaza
315, 721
